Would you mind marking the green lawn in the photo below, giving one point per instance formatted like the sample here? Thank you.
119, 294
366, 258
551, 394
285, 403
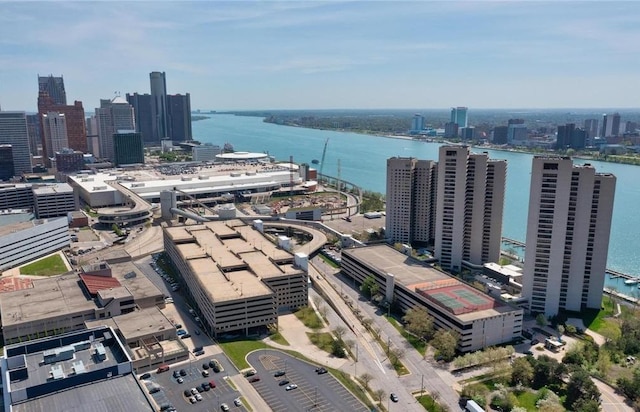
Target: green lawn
278, 338
596, 319
309, 318
430, 404
323, 340
329, 261
418, 344
49, 266
527, 400
238, 349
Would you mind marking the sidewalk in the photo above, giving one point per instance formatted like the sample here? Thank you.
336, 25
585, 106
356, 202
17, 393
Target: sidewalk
295, 333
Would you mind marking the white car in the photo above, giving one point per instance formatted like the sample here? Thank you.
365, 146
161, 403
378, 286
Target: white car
291, 387
198, 397
237, 402
193, 399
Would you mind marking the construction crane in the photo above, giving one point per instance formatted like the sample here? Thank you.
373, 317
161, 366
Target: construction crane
324, 153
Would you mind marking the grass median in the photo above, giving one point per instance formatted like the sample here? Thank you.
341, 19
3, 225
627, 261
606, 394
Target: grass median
49, 266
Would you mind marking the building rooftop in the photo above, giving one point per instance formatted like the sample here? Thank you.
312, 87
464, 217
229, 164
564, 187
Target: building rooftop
20, 226
139, 323
59, 188
134, 280
463, 301
95, 283
119, 394
55, 296
227, 258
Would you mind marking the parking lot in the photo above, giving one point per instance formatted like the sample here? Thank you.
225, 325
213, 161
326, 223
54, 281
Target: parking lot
172, 393
314, 392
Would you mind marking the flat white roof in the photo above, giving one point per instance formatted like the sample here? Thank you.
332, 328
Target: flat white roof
241, 156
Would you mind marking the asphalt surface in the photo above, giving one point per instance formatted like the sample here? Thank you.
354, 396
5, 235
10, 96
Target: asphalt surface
171, 392
314, 393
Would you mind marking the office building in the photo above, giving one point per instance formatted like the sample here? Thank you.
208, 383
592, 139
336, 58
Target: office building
610, 125
630, 127
13, 131
74, 118
128, 148
517, 133
179, 117
69, 160
54, 127
27, 241
476, 318
7, 171
54, 200
468, 133
459, 116
500, 134
238, 279
410, 197
450, 129
35, 134
205, 153
591, 127
112, 116
567, 242
144, 116
417, 123
159, 103
570, 137
469, 205
54, 87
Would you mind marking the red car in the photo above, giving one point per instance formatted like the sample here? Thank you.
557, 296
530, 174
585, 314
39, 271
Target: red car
254, 379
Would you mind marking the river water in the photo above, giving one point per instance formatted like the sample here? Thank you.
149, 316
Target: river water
361, 159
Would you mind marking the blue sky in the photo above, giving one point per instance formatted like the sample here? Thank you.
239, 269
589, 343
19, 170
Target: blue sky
314, 55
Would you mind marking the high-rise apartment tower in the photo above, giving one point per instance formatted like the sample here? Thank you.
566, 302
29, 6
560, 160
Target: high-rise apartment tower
570, 209
469, 205
411, 191
13, 131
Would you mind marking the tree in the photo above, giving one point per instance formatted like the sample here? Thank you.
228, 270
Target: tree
419, 322
339, 332
445, 342
365, 378
369, 287
379, 394
580, 389
395, 355
604, 362
541, 320
337, 348
521, 372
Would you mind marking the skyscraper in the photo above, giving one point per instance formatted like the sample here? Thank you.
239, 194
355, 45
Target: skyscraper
127, 147
179, 115
7, 171
111, 116
54, 87
13, 131
54, 126
563, 136
74, 115
568, 226
411, 191
459, 116
500, 134
159, 102
610, 125
591, 127
35, 134
145, 114
417, 123
469, 205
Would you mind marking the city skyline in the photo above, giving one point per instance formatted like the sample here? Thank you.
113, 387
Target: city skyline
324, 55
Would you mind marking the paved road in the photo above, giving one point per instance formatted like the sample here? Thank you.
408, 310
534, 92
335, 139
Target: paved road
423, 374
610, 400
315, 392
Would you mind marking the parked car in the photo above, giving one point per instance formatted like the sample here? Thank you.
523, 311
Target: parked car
291, 387
283, 382
145, 376
181, 332
198, 397
187, 392
212, 384
178, 325
183, 372
198, 353
278, 374
162, 368
321, 371
237, 402
180, 380
185, 336
393, 397
153, 390
224, 406
254, 379
248, 373
192, 399
205, 373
